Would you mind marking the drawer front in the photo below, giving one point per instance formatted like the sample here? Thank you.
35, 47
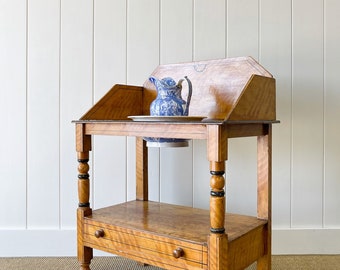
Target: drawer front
140, 246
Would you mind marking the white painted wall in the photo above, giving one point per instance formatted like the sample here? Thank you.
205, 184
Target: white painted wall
58, 57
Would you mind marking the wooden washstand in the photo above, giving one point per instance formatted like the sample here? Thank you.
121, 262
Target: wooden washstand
237, 95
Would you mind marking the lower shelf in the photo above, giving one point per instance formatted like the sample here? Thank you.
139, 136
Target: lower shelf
152, 232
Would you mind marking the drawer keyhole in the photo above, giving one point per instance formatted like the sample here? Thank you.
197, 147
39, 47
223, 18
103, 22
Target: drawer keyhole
99, 233
178, 252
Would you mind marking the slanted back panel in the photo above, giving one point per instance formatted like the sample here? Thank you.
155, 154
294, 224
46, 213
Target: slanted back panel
117, 104
217, 86
257, 101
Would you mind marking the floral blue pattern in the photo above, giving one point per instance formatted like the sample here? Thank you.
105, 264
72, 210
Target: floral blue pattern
169, 102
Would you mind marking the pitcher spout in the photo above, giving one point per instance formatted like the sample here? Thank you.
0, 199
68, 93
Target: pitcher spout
153, 80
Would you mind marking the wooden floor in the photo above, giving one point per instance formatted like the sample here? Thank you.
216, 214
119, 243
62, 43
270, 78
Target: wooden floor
325, 262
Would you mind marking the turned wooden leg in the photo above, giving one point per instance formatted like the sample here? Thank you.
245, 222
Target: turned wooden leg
83, 179
217, 197
217, 145
85, 254
218, 240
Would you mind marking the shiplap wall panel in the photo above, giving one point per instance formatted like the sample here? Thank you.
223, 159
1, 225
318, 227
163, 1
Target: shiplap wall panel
308, 114
154, 174
109, 154
242, 39
130, 169
43, 114
242, 28
275, 55
332, 112
176, 31
109, 177
110, 33
13, 114
76, 96
142, 39
142, 59
176, 175
201, 175
209, 32
176, 46
241, 188
209, 43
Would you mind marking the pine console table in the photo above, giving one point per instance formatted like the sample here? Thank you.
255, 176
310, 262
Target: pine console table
237, 95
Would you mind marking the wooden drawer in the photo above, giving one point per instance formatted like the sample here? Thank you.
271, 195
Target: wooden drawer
145, 246
149, 232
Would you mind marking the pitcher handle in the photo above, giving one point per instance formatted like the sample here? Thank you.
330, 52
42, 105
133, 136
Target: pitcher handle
186, 112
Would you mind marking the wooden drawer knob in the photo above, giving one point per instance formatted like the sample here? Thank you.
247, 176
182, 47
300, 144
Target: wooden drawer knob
99, 233
178, 252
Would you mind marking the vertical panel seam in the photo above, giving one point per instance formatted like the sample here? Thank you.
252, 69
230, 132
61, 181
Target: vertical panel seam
292, 111
26, 217
226, 28
92, 52
192, 141
324, 124
126, 175
159, 60
259, 29
160, 31
126, 41
59, 128
126, 81
193, 30
93, 98
193, 173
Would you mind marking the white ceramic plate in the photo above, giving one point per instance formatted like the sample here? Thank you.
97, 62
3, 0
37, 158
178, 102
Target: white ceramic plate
151, 118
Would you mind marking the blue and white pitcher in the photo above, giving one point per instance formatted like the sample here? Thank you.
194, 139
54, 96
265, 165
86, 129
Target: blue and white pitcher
169, 100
